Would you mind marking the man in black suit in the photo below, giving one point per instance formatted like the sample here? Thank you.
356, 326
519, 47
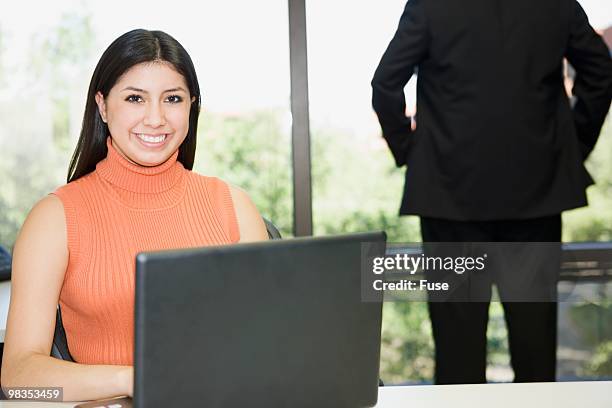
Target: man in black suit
498, 152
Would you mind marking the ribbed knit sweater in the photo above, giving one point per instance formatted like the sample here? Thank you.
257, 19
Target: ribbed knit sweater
113, 213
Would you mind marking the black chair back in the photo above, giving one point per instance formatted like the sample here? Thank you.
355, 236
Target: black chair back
273, 232
59, 348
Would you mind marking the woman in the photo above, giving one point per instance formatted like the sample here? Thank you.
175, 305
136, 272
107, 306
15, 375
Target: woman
130, 189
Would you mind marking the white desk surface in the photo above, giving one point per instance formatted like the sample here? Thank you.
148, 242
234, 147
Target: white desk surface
593, 394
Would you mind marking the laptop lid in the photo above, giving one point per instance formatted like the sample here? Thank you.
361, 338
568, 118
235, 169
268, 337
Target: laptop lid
276, 323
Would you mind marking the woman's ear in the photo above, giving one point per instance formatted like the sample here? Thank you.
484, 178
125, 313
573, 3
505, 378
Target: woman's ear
101, 105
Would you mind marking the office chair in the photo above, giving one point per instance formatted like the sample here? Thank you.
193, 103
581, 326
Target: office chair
5, 275
273, 232
59, 347
5, 264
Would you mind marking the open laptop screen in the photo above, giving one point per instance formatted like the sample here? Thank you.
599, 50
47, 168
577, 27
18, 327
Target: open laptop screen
278, 323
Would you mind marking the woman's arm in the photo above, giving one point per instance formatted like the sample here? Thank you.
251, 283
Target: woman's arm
250, 223
40, 259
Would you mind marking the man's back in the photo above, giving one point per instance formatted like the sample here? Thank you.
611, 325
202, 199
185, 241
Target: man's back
496, 136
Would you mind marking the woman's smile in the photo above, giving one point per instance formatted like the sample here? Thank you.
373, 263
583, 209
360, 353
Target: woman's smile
152, 140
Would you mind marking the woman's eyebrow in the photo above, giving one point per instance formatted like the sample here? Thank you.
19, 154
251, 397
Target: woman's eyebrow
178, 89
131, 88
134, 89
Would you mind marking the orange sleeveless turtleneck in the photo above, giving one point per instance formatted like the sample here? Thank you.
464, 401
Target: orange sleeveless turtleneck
113, 213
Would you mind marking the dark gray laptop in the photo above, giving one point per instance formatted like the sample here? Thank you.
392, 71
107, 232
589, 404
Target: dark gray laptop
275, 324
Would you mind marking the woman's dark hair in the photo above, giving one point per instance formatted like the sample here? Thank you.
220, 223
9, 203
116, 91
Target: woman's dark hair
132, 48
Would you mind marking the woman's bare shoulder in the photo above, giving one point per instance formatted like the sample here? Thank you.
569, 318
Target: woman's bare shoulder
44, 227
49, 208
250, 223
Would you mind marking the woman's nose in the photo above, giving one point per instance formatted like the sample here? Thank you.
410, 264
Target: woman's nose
154, 115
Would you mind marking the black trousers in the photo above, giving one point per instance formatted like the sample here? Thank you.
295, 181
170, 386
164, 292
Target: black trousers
460, 328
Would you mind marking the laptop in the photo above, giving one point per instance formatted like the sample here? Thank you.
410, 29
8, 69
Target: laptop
276, 323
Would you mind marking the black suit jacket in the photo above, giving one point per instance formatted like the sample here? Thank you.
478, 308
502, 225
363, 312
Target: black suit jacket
496, 136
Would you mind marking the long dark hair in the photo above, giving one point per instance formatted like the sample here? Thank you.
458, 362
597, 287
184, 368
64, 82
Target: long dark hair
132, 48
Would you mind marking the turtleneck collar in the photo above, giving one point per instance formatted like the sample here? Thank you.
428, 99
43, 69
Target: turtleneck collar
121, 173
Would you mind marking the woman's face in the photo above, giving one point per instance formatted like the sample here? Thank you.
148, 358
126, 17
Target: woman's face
147, 112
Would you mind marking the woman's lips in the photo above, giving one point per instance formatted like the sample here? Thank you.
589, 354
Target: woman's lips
152, 140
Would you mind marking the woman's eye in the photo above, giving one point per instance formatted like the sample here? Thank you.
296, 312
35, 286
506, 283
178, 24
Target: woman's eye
134, 99
174, 99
